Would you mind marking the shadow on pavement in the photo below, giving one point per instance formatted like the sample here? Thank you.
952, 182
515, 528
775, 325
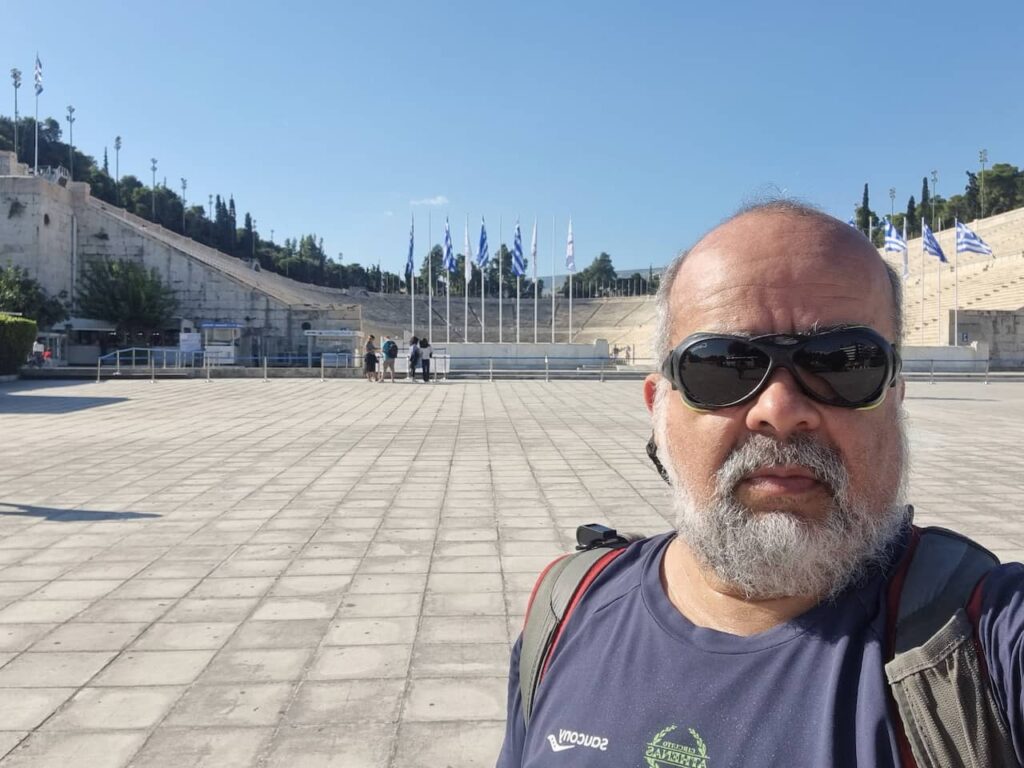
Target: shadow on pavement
25, 403
69, 515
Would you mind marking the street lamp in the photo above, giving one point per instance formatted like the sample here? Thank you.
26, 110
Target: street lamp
152, 194
211, 207
892, 204
184, 186
982, 156
71, 142
117, 167
16, 79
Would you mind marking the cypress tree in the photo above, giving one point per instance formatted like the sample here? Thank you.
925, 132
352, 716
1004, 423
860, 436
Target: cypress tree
912, 228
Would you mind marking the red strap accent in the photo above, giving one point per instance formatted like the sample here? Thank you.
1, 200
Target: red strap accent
895, 591
592, 574
536, 585
974, 615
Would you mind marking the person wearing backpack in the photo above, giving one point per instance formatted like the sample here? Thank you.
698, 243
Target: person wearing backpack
795, 616
389, 349
414, 357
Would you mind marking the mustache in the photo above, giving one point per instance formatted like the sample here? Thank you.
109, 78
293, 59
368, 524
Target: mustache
762, 452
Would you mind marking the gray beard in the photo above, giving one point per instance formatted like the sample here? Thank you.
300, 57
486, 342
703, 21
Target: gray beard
771, 554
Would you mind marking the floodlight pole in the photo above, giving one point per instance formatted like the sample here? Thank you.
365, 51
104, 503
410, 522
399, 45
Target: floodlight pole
117, 167
184, 186
152, 197
71, 142
892, 204
16, 79
982, 157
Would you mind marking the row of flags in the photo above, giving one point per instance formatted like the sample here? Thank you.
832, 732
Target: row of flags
483, 251
967, 241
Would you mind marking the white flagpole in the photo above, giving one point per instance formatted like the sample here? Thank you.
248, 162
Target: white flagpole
518, 281
938, 299
570, 307
430, 280
483, 290
906, 251
467, 274
533, 257
922, 283
570, 280
956, 287
411, 283
35, 166
447, 286
501, 282
552, 279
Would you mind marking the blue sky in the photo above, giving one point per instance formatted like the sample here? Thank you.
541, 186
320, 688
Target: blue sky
647, 122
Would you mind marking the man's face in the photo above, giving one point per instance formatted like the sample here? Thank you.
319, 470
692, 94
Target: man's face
773, 490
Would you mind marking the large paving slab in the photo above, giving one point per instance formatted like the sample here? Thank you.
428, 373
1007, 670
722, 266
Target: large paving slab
308, 573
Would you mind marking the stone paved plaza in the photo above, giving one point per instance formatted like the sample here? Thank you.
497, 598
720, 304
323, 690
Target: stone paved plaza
302, 573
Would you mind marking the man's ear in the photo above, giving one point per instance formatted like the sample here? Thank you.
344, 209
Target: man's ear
651, 390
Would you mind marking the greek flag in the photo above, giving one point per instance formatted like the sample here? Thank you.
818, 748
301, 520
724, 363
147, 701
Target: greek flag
852, 223
468, 255
410, 263
482, 254
893, 241
518, 265
931, 245
570, 251
449, 254
39, 75
968, 242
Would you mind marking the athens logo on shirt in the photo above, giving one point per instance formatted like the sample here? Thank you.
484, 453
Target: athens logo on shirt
570, 739
659, 752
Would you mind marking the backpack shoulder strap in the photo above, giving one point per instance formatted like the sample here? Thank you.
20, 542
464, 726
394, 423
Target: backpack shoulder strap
555, 595
943, 571
948, 715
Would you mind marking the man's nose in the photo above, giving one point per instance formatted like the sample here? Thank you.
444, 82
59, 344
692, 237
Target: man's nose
782, 410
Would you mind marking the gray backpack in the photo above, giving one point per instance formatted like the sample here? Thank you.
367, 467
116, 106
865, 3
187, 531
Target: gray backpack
948, 716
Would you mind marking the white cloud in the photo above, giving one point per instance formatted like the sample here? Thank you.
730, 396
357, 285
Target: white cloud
436, 200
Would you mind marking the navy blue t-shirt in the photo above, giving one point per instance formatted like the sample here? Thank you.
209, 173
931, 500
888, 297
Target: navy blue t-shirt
632, 682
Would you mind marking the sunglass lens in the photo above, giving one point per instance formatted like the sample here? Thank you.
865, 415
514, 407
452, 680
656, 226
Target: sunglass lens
720, 371
845, 368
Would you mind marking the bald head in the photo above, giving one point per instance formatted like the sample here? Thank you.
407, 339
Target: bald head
792, 261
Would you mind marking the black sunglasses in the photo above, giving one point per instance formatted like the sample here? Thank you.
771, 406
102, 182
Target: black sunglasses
850, 367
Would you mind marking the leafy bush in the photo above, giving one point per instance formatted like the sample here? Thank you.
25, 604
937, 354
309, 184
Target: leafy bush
16, 337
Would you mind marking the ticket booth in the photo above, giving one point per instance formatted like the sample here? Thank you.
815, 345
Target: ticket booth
336, 347
221, 342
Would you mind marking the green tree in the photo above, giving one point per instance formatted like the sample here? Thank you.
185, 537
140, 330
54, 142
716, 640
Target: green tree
864, 212
124, 293
21, 294
924, 207
913, 228
1003, 188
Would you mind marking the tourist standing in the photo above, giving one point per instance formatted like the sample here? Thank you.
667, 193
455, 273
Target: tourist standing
370, 359
414, 357
425, 354
390, 353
